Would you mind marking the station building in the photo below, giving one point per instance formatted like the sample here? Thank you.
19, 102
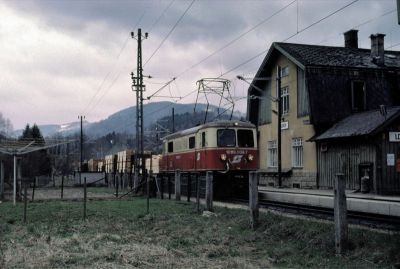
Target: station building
320, 87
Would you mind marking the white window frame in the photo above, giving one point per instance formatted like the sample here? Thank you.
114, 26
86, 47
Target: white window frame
285, 100
297, 152
272, 154
284, 71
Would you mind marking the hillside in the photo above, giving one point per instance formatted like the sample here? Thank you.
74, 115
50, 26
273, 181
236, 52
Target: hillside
124, 121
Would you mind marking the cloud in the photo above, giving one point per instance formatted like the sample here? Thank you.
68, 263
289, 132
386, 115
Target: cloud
56, 54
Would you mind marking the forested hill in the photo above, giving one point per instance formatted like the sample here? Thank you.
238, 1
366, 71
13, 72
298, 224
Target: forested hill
124, 121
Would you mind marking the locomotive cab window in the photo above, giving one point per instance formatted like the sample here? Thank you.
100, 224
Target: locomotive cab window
203, 139
192, 142
170, 146
245, 138
226, 138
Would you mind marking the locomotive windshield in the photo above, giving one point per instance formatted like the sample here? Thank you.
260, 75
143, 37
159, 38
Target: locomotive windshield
245, 138
226, 138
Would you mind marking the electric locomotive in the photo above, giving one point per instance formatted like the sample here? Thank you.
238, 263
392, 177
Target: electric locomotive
224, 147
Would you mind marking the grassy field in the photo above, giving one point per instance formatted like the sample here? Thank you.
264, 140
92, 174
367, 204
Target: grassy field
118, 234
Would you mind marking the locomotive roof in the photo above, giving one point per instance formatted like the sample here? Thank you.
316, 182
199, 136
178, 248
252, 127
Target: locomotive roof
225, 124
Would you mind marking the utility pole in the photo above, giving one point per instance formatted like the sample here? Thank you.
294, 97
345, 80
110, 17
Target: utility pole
173, 120
138, 84
81, 159
279, 100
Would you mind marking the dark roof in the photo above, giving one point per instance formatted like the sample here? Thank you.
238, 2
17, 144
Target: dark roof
360, 124
334, 56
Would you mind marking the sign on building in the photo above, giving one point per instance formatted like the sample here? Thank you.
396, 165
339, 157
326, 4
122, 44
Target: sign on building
284, 125
390, 159
394, 136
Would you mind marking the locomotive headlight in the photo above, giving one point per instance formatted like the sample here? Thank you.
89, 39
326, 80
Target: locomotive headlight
250, 157
223, 157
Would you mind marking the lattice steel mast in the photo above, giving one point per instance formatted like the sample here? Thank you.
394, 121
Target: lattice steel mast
139, 162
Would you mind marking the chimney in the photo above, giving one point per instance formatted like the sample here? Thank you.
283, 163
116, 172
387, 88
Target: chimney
377, 48
351, 39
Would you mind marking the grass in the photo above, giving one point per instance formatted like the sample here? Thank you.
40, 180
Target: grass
119, 234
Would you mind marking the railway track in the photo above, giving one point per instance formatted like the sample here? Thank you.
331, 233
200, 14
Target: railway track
359, 218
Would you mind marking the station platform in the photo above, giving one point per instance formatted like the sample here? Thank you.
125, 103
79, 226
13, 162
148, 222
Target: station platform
358, 202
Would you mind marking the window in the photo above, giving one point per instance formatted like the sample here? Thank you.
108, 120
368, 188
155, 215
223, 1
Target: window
170, 146
285, 100
226, 138
303, 108
192, 142
245, 138
297, 152
358, 98
203, 139
285, 71
272, 154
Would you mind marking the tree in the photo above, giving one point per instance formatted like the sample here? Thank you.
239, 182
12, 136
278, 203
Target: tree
38, 162
33, 133
5, 126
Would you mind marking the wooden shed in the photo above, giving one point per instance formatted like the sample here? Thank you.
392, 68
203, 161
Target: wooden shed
365, 144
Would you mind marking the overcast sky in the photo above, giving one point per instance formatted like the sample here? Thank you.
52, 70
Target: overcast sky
60, 59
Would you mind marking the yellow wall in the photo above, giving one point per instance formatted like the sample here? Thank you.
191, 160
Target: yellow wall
297, 128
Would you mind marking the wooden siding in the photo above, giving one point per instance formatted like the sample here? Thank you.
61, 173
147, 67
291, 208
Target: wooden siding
344, 158
330, 94
389, 181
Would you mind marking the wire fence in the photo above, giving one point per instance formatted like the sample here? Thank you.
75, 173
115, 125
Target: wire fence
86, 187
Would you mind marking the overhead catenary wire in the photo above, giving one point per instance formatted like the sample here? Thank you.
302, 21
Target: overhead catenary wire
256, 56
161, 15
264, 51
236, 38
169, 33
112, 69
322, 19
361, 24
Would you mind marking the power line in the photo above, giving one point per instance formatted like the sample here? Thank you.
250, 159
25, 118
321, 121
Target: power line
362, 24
264, 51
304, 29
394, 45
324, 18
237, 38
169, 33
161, 15
258, 55
112, 69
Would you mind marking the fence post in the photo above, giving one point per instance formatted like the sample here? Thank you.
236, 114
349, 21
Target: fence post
169, 186
177, 185
162, 187
34, 187
198, 193
62, 187
25, 199
84, 198
116, 184
149, 177
253, 198
189, 186
1, 180
340, 214
209, 191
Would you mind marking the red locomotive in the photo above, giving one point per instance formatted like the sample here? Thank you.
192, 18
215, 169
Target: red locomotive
221, 146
